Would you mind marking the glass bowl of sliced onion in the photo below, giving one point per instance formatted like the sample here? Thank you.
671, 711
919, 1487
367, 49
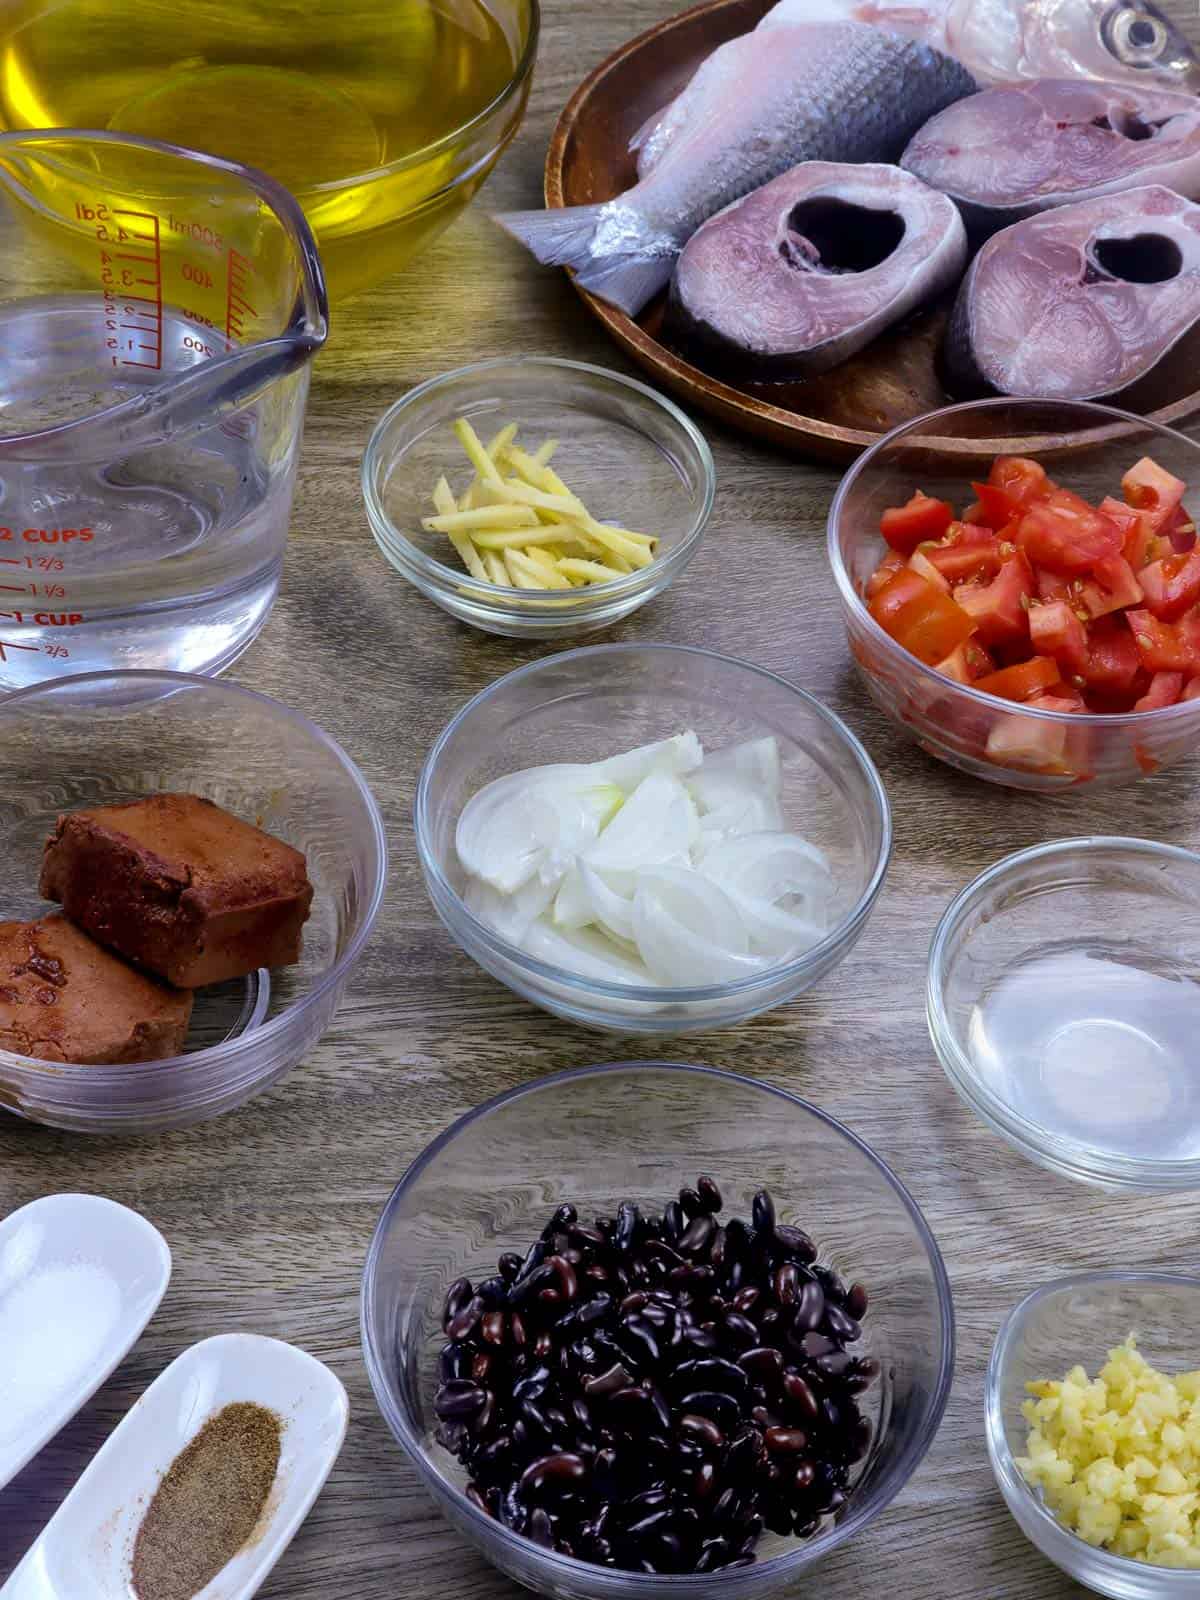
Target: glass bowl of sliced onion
650, 838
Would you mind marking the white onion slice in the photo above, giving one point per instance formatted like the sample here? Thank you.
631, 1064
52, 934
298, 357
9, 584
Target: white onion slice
688, 931
572, 903
781, 868
533, 822
585, 952
509, 915
749, 813
611, 910
674, 757
750, 769
657, 824
774, 932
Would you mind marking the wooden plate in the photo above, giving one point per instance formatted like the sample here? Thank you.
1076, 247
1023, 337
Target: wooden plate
842, 412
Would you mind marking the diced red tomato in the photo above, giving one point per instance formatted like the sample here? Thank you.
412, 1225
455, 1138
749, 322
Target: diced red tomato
1192, 692
904, 527
1000, 609
1181, 531
1023, 480
1171, 585
1056, 631
920, 562
1022, 682
967, 664
920, 618
887, 569
1113, 586
966, 554
975, 516
1064, 533
1113, 658
997, 508
1053, 586
1030, 743
1060, 697
1154, 492
1165, 689
1166, 646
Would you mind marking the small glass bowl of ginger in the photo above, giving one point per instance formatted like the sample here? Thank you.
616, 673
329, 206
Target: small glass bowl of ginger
537, 498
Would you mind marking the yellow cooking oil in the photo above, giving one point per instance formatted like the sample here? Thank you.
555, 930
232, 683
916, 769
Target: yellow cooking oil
357, 106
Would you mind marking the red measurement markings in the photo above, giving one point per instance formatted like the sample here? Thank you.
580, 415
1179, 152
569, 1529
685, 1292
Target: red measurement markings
239, 273
130, 281
7, 644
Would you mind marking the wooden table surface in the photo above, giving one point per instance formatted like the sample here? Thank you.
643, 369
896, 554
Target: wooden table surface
268, 1212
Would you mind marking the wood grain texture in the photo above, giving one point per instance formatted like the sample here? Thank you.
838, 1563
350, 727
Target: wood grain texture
269, 1211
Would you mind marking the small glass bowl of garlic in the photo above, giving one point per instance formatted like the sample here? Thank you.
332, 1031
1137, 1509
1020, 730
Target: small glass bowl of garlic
537, 498
651, 838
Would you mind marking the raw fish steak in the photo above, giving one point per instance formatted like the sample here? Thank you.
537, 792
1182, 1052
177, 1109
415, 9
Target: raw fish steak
1007, 153
997, 41
1078, 302
802, 273
758, 105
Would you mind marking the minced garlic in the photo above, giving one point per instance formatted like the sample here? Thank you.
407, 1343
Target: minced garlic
1117, 1457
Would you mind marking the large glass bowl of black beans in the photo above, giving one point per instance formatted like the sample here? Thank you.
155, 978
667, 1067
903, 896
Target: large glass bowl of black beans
652, 1327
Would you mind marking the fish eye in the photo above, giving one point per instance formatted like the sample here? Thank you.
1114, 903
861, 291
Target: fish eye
1138, 37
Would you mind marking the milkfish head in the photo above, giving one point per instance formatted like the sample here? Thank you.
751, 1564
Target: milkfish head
1129, 40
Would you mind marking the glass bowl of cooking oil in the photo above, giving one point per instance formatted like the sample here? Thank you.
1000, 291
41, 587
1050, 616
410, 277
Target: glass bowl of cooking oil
383, 119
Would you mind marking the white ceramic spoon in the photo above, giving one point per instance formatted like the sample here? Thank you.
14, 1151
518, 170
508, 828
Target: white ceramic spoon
80, 1277
85, 1552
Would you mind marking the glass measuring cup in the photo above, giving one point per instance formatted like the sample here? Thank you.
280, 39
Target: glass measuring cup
158, 312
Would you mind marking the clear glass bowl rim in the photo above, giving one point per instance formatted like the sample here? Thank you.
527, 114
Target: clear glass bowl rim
663, 1583
521, 71
241, 1049
310, 315
853, 601
625, 991
1003, 1462
1079, 1159
583, 601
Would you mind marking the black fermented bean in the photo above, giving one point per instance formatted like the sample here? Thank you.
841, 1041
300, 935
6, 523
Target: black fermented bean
627, 1221
840, 1326
458, 1296
795, 1244
740, 1330
702, 1429
764, 1364
464, 1323
785, 1441
763, 1212
623, 1390
458, 1400
799, 1392
810, 1308
554, 1474
494, 1326
721, 1408
697, 1236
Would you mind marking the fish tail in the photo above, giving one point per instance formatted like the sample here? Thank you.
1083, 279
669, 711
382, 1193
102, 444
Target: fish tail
564, 237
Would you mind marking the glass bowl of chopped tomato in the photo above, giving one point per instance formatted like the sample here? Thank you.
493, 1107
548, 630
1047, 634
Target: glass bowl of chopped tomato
1021, 587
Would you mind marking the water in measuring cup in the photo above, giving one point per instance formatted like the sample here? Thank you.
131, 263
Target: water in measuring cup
167, 559
1096, 1044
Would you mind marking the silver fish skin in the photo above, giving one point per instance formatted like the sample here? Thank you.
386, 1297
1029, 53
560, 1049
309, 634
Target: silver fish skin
1007, 153
1079, 302
759, 105
795, 278
999, 41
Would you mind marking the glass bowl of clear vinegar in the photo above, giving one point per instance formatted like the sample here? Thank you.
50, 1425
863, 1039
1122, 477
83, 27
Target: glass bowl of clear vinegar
383, 117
